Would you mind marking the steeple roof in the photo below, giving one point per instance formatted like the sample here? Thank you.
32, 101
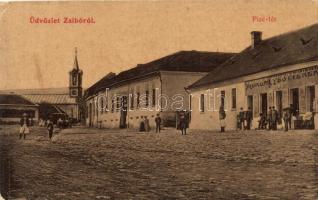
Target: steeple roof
75, 66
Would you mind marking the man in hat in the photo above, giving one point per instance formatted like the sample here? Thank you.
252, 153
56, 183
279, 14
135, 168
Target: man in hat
183, 123
274, 118
249, 117
24, 123
241, 118
158, 122
50, 128
286, 117
147, 126
269, 118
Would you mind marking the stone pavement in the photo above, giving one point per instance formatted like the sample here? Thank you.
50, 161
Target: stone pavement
84, 163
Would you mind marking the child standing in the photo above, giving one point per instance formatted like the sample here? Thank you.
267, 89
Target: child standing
50, 128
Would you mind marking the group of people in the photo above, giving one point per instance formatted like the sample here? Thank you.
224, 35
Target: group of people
25, 124
269, 120
183, 122
144, 124
244, 119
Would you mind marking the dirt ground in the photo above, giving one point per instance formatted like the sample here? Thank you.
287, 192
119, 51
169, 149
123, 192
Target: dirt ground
83, 163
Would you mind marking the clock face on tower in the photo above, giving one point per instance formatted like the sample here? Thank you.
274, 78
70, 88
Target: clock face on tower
74, 92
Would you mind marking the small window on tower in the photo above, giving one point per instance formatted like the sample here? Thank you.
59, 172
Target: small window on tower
74, 80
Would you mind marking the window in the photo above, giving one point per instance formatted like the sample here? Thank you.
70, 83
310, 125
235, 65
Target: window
132, 100
106, 103
147, 98
222, 98
102, 105
117, 104
190, 102
234, 98
113, 105
153, 97
74, 80
138, 99
202, 103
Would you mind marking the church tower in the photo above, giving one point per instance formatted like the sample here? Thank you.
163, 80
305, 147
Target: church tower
75, 85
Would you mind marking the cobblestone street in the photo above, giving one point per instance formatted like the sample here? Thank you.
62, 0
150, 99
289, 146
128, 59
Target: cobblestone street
85, 163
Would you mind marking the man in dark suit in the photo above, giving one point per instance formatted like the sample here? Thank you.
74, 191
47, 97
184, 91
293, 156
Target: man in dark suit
50, 128
269, 118
274, 118
241, 119
158, 123
249, 117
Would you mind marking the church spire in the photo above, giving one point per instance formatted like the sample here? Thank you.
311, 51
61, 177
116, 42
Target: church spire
75, 60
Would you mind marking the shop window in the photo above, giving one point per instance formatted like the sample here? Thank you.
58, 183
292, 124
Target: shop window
310, 98
294, 95
263, 103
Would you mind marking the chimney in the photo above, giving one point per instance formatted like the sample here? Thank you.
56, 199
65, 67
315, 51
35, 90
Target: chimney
256, 38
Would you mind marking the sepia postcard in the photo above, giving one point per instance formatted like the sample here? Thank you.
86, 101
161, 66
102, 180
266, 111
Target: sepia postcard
158, 99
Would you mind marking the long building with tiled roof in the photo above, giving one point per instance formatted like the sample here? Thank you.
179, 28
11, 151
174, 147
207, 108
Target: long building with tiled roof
280, 72
66, 100
146, 90
13, 106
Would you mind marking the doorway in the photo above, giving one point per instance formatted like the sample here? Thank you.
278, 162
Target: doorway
123, 112
250, 103
279, 103
294, 93
310, 98
264, 104
90, 114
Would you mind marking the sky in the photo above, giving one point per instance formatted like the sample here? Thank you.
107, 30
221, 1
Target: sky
128, 33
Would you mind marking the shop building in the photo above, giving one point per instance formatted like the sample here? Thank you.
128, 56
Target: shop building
279, 71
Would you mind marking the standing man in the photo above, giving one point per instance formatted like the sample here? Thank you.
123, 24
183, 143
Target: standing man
286, 117
222, 117
241, 119
269, 118
142, 124
24, 123
183, 123
158, 123
291, 114
274, 118
50, 128
249, 118
147, 126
